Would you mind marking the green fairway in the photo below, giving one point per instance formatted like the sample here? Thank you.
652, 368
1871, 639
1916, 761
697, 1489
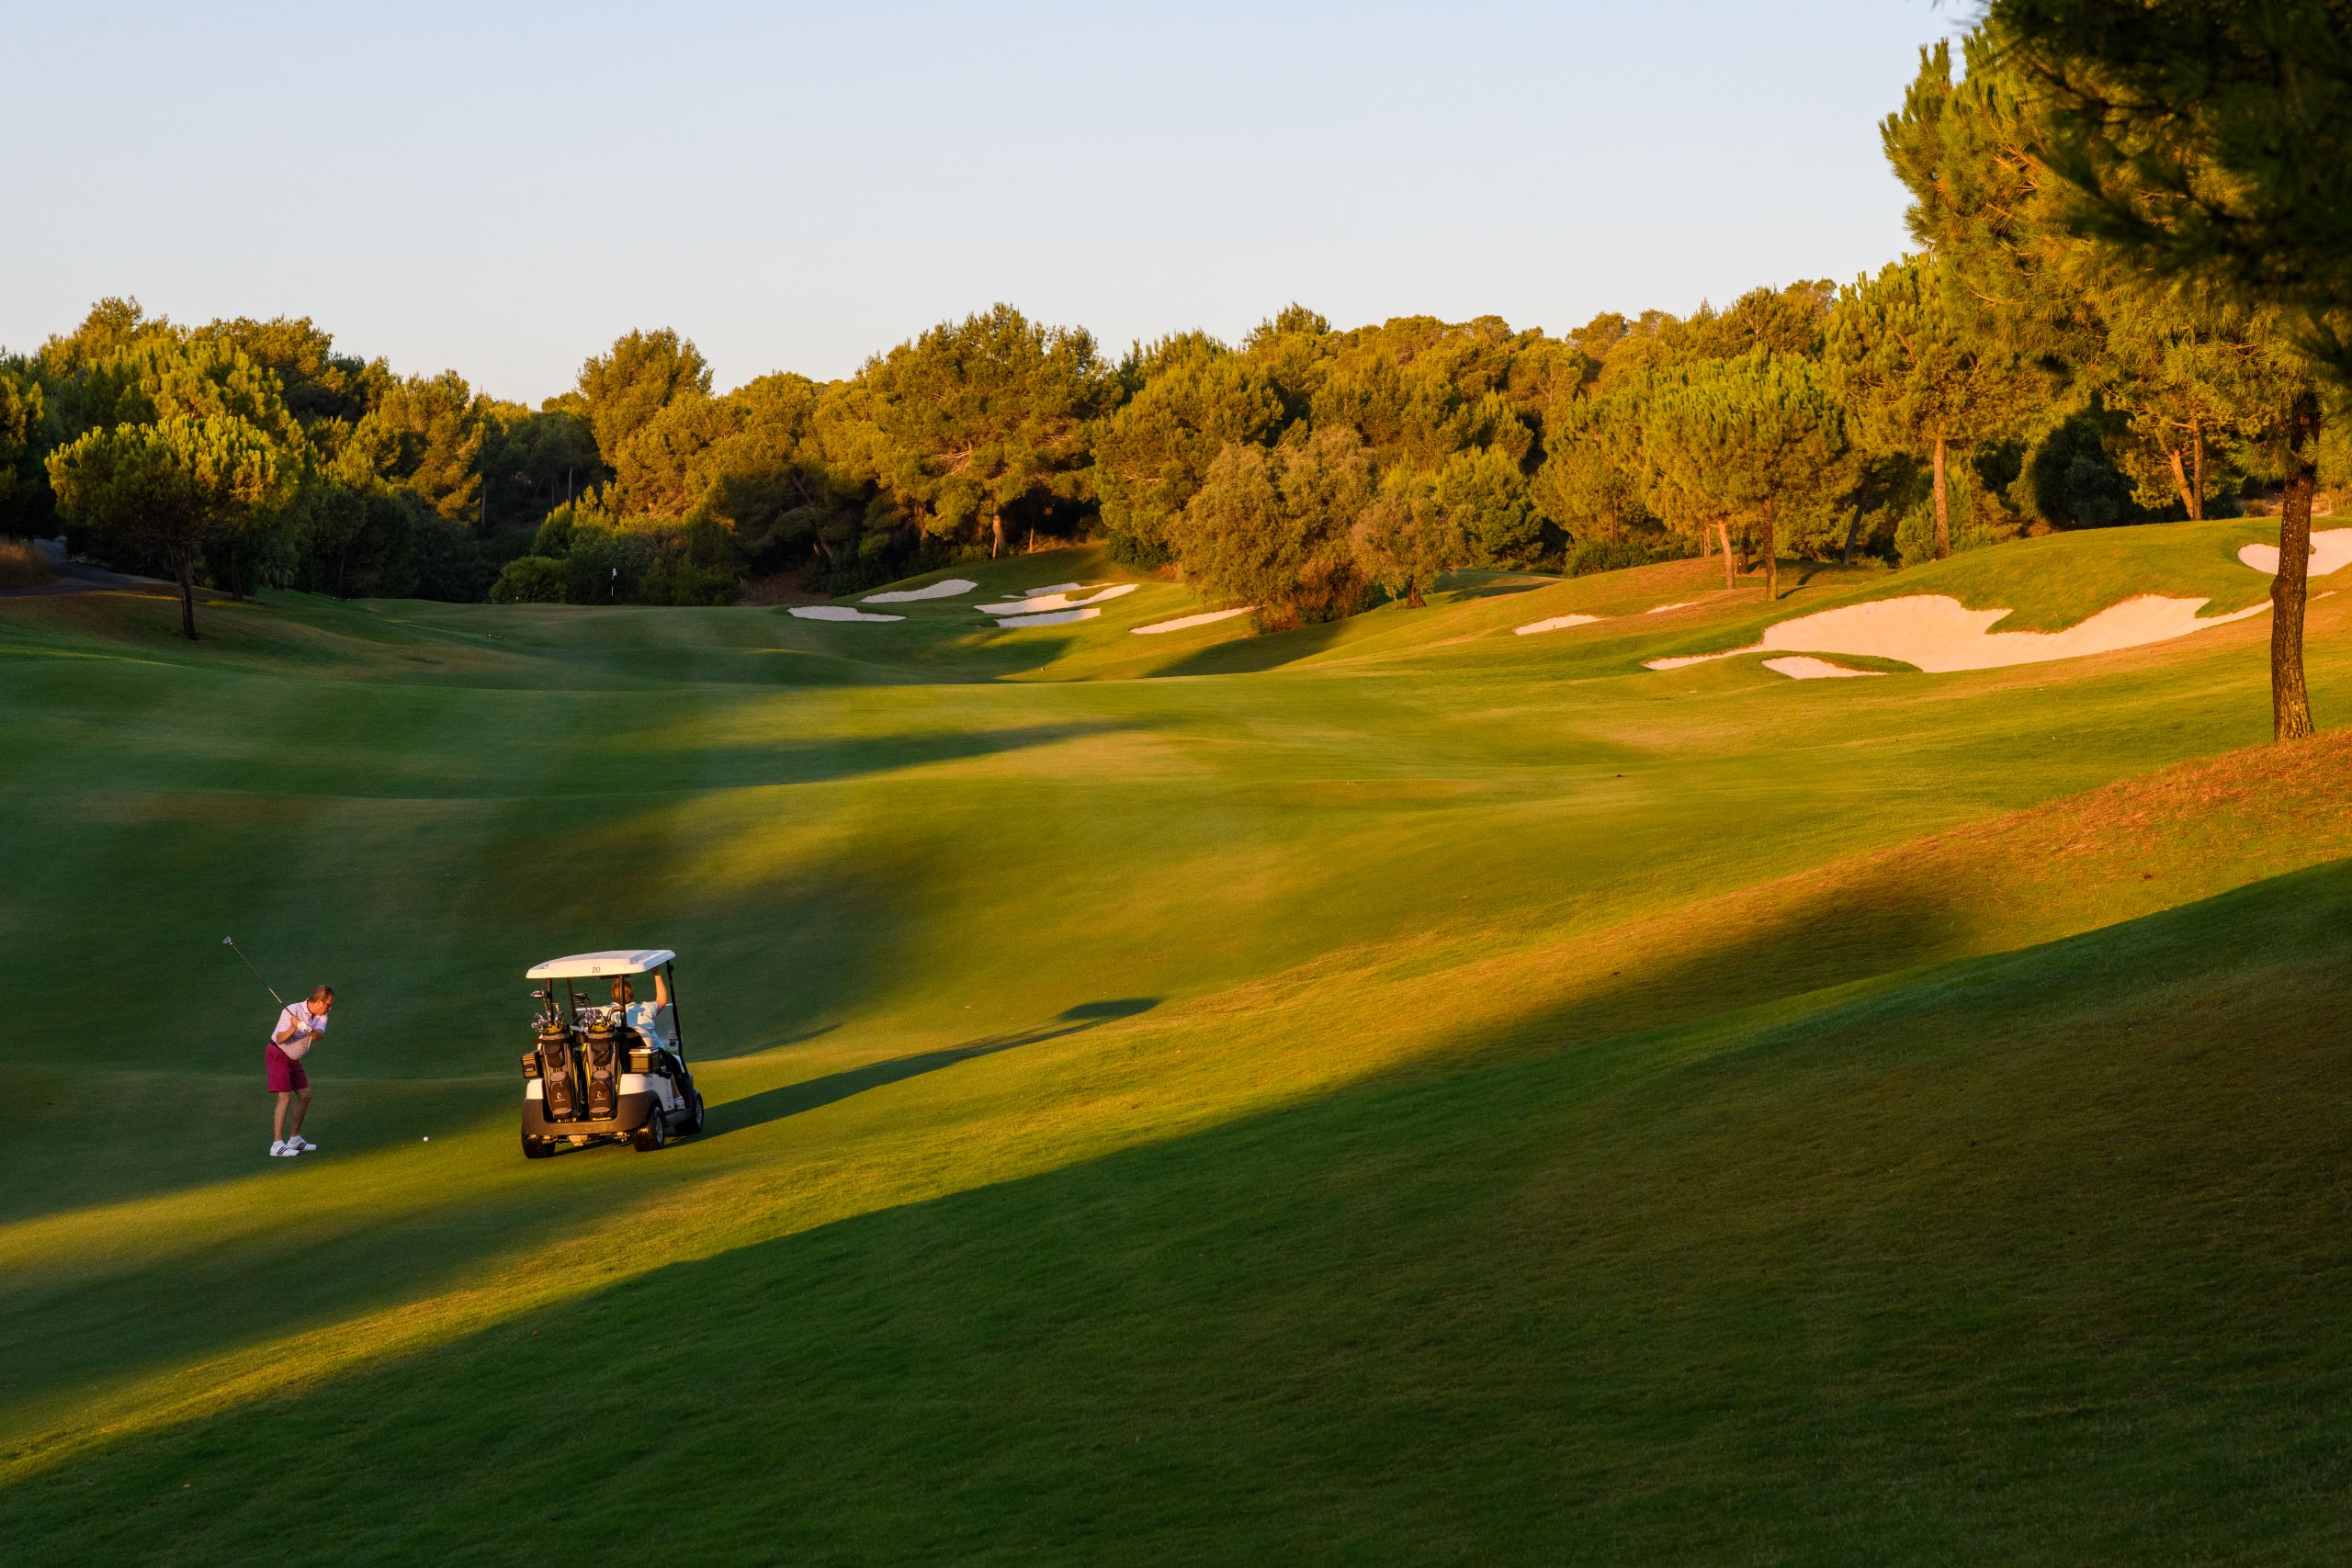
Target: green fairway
1392, 1091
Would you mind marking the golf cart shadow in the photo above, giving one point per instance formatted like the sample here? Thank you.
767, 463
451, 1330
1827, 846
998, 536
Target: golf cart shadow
791, 1100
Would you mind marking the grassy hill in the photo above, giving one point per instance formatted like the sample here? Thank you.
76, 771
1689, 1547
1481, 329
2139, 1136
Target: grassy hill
1393, 1091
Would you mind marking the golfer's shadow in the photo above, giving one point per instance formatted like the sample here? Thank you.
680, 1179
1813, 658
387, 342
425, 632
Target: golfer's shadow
791, 1100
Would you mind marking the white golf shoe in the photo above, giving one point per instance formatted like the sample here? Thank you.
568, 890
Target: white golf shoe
301, 1145
281, 1148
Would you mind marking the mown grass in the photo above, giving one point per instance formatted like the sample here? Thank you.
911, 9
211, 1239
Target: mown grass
1443, 1094
2034, 1259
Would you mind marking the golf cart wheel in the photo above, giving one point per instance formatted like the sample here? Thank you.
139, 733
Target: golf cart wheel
534, 1148
654, 1133
694, 1121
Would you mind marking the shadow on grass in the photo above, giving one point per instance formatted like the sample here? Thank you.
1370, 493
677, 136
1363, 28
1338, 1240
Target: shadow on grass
1501, 590
791, 1100
1993, 1192
1246, 656
832, 760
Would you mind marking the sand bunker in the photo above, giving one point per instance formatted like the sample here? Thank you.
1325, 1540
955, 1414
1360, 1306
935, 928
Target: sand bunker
2331, 551
1185, 623
1805, 667
1554, 624
1937, 633
1050, 618
945, 588
835, 613
1558, 623
1036, 604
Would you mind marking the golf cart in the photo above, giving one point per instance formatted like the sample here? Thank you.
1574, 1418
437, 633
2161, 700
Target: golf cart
607, 1069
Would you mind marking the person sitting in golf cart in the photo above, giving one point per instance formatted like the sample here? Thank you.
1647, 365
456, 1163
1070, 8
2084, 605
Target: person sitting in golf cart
648, 1018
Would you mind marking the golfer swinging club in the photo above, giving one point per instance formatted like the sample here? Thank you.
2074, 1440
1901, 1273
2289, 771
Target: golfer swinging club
299, 1028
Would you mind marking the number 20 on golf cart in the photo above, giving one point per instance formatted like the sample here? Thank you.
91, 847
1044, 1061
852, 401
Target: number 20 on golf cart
604, 1071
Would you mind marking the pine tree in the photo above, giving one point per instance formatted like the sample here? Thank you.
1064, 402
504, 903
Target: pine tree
976, 415
2210, 145
1747, 439
173, 486
1590, 484
1914, 375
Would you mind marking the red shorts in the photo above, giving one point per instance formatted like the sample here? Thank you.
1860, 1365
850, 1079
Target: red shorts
285, 1073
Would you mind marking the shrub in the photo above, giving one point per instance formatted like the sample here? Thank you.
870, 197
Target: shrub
2072, 479
1915, 536
531, 579
1603, 555
23, 564
450, 563
1143, 555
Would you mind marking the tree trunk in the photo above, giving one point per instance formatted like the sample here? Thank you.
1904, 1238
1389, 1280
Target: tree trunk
2197, 473
1853, 537
1616, 524
996, 534
1413, 600
2180, 483
184, 560
1943, 506
2290, 704
1723, 535
1771, 558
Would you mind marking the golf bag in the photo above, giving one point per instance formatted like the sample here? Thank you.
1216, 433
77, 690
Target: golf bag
559, 1075
605, 1057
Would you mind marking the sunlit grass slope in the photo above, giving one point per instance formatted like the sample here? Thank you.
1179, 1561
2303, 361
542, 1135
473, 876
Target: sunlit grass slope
1429, 1094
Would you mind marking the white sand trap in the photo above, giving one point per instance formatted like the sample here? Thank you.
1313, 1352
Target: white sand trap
1052, 588
1036, 603
1186, 623
945, 588
1555, 624
1805, 667
1662, 609
2331, 551
836, 613
1050, 618
1939, 633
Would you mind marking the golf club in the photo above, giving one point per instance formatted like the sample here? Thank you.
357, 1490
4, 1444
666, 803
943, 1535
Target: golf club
230, 944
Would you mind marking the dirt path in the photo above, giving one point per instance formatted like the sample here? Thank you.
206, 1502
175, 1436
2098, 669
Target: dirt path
80, 577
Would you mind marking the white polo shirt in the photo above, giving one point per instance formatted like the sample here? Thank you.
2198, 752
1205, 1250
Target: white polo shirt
298, 1016
650, 1020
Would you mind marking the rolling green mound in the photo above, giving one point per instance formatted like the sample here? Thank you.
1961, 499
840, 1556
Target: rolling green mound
1393, 1091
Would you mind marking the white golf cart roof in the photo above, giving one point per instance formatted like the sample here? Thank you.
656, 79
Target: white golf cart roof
587, 966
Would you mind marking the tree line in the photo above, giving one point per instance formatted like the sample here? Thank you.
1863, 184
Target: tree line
2101, 323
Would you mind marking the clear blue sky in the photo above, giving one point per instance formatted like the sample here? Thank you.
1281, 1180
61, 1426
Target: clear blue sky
502, 189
